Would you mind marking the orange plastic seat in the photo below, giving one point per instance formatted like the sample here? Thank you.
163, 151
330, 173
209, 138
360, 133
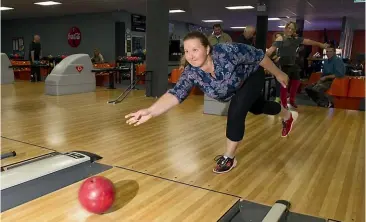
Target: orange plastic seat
357, 87
175, 75
314, 77
339, 92
140, 69
339, 87
356, 93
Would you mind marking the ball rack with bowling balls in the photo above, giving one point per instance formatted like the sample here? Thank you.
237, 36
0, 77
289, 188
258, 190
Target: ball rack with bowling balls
16, 56
22, 67
129, 61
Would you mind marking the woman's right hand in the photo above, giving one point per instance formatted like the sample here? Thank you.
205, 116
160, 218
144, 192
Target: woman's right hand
138, 117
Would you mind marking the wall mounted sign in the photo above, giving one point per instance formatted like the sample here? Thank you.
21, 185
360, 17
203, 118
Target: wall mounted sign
138, 23
74, 37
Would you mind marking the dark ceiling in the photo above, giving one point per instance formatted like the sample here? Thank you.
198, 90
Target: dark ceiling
318, 14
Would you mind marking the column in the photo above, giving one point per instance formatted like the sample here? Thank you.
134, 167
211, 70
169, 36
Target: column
300, 19
261, 40
157, 46
262, 25
300, 26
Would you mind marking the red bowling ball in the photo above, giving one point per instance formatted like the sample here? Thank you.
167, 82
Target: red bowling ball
97, 194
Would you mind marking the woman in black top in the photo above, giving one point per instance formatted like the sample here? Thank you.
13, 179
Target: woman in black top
287, 46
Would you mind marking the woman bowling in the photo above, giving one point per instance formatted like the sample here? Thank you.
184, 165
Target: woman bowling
287, 45
226, 71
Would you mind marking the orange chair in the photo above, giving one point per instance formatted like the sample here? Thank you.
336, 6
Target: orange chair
339, 91
175, 75
140, 68
356, 93
315, 77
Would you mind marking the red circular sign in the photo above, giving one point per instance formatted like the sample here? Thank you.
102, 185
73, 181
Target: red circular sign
74, 37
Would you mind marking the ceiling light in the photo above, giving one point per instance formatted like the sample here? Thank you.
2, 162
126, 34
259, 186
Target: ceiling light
47, 3
238, 27
273, 19
212, 20
239, 7
176, 11
6, 8
281, 26
288, 17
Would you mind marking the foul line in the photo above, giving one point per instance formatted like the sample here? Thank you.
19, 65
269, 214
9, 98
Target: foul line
19, 141
187, 184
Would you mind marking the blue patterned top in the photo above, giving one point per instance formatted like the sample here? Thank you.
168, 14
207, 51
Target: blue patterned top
233, 63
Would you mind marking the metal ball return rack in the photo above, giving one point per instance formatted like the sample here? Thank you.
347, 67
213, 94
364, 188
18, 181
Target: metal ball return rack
125, 93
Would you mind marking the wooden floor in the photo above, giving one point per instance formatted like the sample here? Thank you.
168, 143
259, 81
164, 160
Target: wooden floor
23, 151
319, 168
139, 198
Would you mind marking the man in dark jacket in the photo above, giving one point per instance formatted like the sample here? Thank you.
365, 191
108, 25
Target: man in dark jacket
35, 54
248, 36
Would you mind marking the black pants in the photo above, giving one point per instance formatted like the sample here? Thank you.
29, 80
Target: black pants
35, 73
248, 98
293, 71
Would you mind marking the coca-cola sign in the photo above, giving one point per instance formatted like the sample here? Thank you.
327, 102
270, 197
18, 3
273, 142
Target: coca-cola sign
74, 37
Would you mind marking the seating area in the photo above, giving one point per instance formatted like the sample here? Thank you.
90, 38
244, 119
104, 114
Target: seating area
347, 92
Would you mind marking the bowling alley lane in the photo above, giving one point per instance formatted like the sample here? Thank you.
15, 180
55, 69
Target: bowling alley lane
139, 197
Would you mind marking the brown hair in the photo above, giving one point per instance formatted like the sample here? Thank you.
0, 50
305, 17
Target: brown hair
295, 26
216, 26
195, 35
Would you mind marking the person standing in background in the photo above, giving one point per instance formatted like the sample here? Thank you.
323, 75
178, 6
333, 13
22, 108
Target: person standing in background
97, 57
248, 36
218, 36
287, 45
35, 54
